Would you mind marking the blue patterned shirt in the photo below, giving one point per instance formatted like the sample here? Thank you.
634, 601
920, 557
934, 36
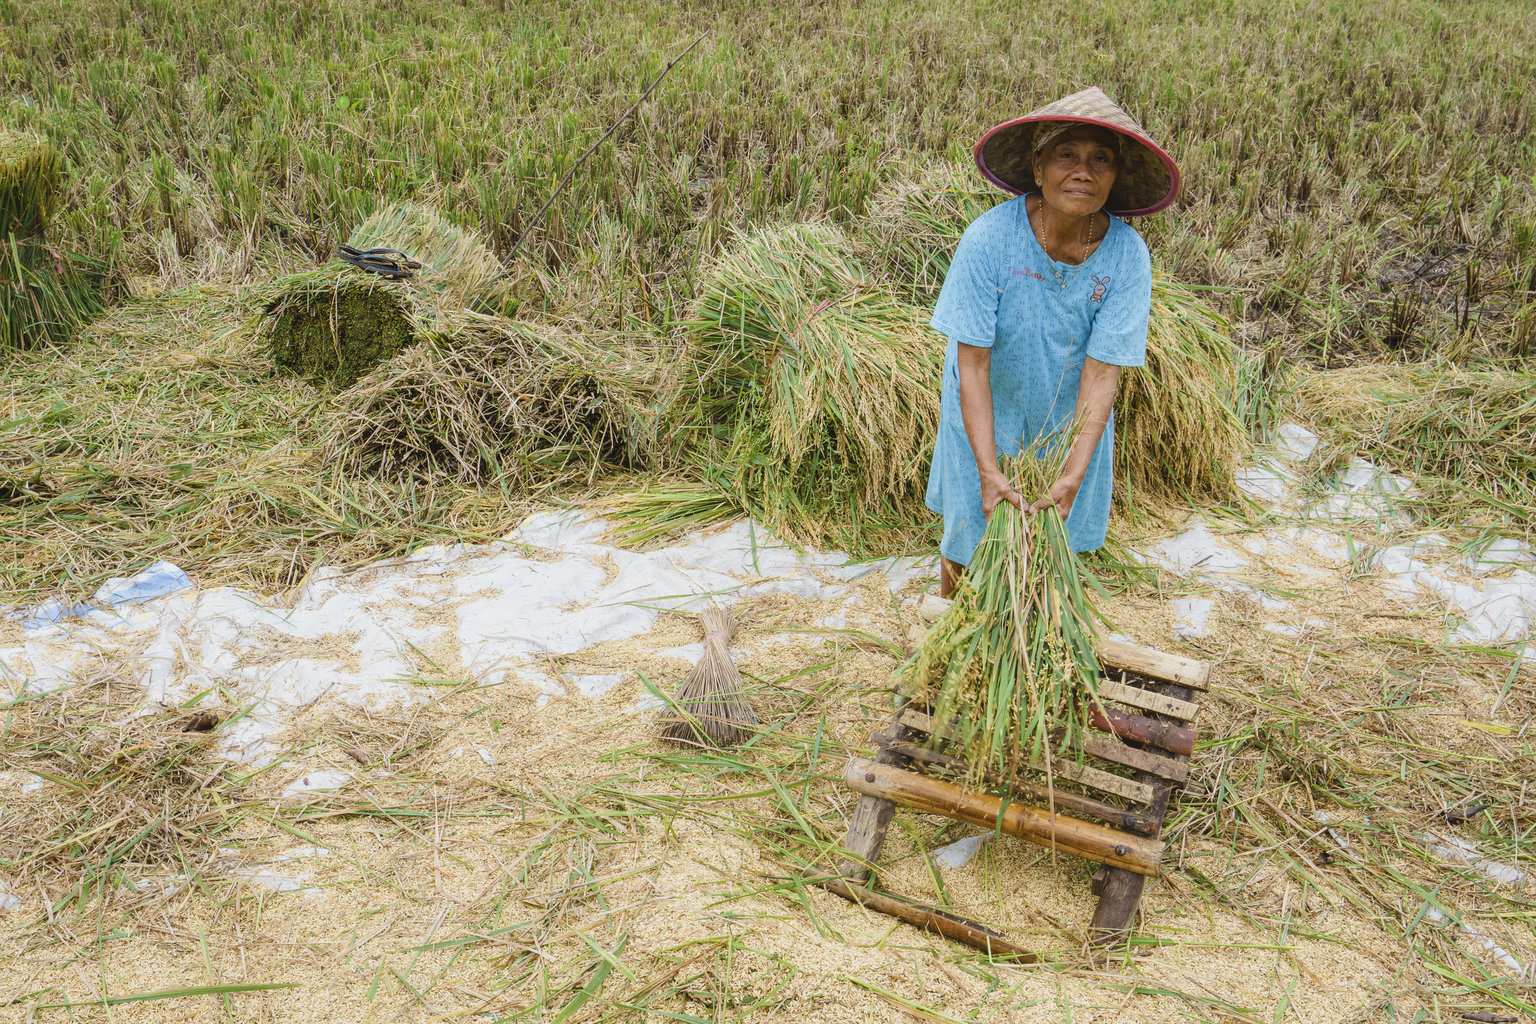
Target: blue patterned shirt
1003, 292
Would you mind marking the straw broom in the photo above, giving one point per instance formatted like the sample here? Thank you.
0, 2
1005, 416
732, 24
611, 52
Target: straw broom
710, 704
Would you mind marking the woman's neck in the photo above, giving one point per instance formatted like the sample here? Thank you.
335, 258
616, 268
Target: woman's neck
1063, 236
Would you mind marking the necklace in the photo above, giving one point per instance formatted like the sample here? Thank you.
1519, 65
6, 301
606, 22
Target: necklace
1050, 260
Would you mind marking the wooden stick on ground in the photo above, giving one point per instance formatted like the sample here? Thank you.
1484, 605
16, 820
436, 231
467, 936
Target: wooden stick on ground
931, 919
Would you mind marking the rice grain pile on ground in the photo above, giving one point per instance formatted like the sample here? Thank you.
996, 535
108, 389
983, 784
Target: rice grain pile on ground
136, 791
43, 295
333, 324
814, 394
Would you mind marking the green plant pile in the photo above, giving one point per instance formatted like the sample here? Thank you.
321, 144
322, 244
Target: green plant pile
334, 324
1010, 664
811, 395
43, 294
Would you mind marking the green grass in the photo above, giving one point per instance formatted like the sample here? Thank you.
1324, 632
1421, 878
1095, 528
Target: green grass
1349, 169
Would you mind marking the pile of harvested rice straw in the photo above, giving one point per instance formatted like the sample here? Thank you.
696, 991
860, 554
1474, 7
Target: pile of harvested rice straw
815, 394
334, 324
482, 399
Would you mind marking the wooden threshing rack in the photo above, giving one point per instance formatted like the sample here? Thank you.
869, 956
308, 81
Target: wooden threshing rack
1109, 806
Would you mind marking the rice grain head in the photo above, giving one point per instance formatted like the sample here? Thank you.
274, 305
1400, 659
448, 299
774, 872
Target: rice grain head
1010, 665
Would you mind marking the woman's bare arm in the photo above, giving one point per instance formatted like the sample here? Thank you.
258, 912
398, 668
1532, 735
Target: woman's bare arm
1095, 401
975, 367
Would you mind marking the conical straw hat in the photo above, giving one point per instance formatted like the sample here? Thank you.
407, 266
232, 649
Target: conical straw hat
1147, 180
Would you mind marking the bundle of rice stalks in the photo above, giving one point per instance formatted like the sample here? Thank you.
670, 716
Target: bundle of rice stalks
1177, 429
1467, 436
710, 706
334, 324
488, 399
816, 398
1010, 664
127, 794
43, 294
661, 509
1179, 432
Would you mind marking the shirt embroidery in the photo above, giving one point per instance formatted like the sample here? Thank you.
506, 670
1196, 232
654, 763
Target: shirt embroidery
1025, 272
1099, 284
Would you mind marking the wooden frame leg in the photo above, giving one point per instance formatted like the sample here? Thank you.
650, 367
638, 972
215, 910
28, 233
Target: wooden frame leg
1119, 890
872, 816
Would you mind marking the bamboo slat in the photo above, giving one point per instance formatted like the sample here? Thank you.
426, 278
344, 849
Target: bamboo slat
1135, 757
1145, 661
932, 796
1136, 697
1064, 799
932, 919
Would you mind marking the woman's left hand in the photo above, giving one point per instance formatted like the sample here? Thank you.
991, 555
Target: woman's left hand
1062, 493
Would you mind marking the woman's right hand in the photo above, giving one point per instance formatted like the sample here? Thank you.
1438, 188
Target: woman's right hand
996, 488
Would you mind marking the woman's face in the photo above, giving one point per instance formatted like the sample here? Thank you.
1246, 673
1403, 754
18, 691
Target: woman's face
1076, 170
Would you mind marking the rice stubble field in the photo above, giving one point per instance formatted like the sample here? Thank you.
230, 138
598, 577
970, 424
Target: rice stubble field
1357, 218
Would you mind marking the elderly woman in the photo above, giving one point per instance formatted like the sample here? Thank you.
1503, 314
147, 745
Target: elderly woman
1046, 299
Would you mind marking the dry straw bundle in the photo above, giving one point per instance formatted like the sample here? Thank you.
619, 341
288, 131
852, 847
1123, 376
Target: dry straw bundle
1178, 433
815, 394
334, 324
483, 398
1468, 436
1010, 665
710, 706
43, 295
